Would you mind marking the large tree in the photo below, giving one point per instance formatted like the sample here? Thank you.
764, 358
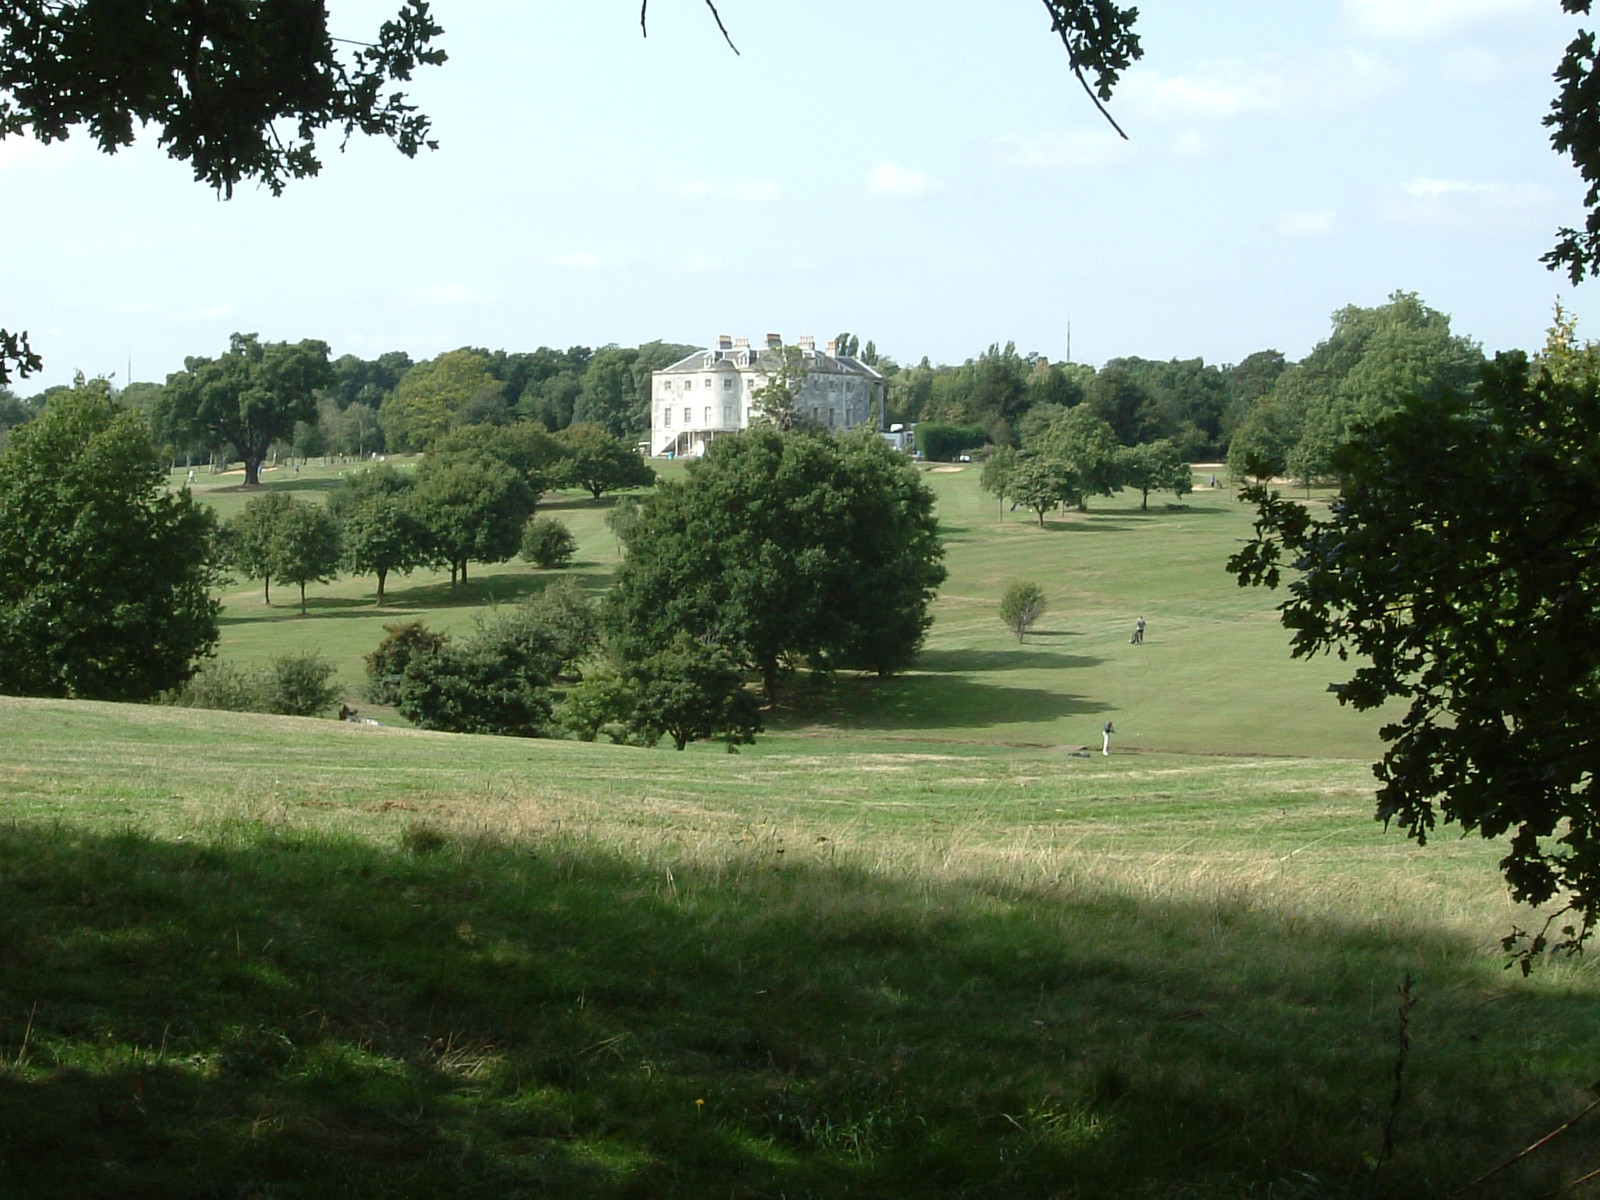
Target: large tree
105, 576
1458, 570
473, 509
597, 462
784, 547
251, 396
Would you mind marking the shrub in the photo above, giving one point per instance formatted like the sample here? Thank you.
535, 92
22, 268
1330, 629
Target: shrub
401, 643
471, 689
546, 542
301, 684
295, 684
565, 612
940, 441
219, 685
602, 703
1021, 604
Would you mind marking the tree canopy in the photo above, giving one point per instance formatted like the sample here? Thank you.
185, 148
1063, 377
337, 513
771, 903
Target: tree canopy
105, 576
1458, 569
783, 546
250, 397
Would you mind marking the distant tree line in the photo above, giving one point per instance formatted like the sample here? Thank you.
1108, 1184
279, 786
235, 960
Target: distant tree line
259, 400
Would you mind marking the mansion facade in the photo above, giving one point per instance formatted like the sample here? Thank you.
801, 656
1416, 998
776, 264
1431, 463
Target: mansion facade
710, 393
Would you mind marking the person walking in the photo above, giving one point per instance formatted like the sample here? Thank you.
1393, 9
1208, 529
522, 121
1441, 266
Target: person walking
1138, 633
1105, 738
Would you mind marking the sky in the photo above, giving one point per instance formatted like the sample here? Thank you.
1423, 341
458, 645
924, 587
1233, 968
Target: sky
926, 174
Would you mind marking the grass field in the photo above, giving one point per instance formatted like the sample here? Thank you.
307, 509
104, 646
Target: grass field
906, 945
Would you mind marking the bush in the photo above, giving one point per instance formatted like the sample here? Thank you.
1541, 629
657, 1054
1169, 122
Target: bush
546, 542
385, 665
940, 441
496, 681
471, 689
602, 703
301, 684
221, 686
565, 612
291, 685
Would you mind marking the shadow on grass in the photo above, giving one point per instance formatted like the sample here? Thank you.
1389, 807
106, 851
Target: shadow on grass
1023, 658
928, 701
276, 1014
310, 483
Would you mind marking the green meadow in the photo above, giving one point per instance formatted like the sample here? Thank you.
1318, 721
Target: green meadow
913, 942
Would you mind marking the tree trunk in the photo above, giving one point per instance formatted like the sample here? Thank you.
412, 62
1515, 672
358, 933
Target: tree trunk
382, 575
769, 681
302, 599
252, 472
266, 589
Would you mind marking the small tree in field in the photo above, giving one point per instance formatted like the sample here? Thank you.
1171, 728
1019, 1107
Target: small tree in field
1021, 604
305, 547
690, 691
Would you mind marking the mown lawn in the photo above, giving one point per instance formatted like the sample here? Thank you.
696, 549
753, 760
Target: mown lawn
302, 958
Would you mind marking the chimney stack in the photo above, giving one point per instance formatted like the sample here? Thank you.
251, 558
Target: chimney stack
724, 342
833, 348
774, 341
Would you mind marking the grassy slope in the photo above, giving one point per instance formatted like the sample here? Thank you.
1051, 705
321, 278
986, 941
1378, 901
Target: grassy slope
1213, 676
327, 959
904, 946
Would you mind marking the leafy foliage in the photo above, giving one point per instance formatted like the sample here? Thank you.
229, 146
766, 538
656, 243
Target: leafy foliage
941, 441
691, 691
784, 545
247, 538
497, 681
1021, 605
596, 461
1041, 483
378, 530
305, 547
240, 91
473, 509
1458, 568
1154, 467
293, 684
547, 542
250, 397
105, 576
385, 665
601, 702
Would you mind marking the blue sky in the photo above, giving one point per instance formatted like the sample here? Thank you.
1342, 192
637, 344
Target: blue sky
933, 186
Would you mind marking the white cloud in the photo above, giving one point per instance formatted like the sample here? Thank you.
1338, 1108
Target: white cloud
891, 179
579, 261
1080, 150
1229, 88
1314, 222
1462, 204
442, 294
1426, 18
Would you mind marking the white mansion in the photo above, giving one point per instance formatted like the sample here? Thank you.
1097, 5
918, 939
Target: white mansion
708, 394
